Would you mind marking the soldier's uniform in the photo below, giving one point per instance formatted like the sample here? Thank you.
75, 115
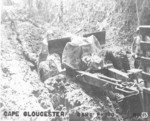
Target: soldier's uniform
44, 48
136, 49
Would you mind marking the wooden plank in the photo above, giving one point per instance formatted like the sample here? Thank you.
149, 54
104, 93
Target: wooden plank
145, 61
144, 26
145, 46
93, 79
146, 93
146, 90
146, 78
144, 31
118, 74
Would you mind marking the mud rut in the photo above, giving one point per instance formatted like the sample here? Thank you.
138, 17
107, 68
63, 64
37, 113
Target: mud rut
22, 90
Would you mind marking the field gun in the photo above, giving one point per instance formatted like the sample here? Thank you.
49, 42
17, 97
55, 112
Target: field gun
126, 84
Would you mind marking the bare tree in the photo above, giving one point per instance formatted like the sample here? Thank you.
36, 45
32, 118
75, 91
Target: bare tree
61, 11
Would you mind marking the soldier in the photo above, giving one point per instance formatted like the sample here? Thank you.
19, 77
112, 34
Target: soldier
44, 50
136, 49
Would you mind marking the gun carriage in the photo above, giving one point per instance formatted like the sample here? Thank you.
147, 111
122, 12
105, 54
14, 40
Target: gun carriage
120, 82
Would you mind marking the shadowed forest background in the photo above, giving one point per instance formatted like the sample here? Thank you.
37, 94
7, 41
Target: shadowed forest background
118, 17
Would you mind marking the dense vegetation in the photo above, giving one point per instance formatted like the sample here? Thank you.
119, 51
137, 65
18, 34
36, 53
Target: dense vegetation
120, 18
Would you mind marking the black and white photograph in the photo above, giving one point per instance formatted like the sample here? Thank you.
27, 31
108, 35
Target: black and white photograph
75, 60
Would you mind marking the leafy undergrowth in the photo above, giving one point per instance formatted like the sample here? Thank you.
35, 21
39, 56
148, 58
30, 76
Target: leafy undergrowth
70, 97
18, 81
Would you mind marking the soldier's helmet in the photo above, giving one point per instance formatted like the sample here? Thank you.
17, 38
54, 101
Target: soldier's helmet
49, 33
46, 37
